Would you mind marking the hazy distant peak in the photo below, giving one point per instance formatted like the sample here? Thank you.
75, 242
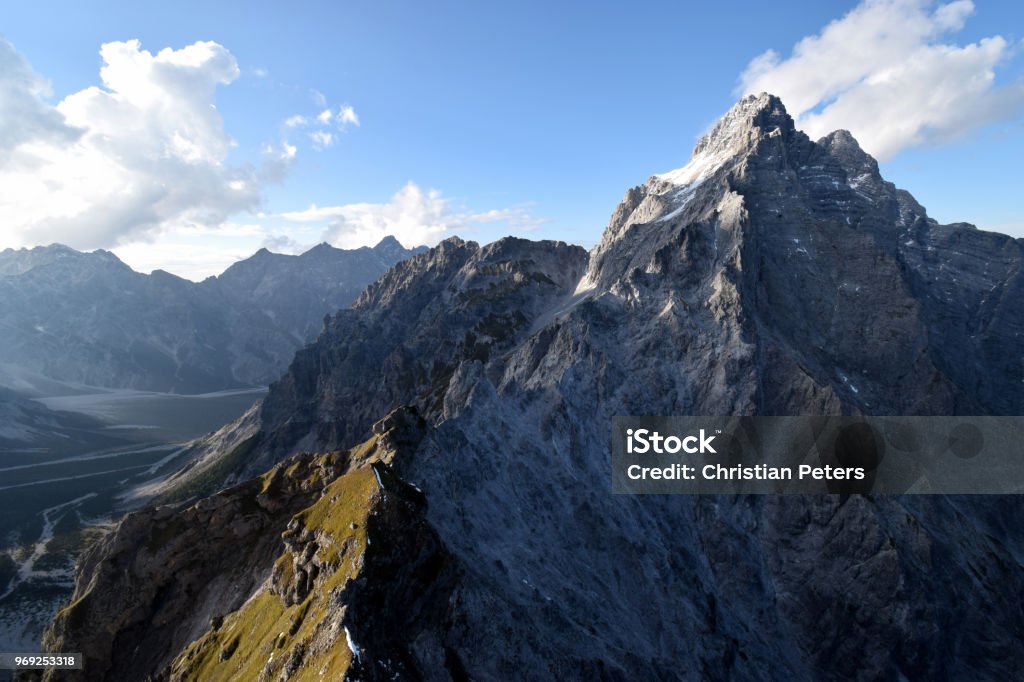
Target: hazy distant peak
19, 261
322, 247
388, 242
391, 250
89, 318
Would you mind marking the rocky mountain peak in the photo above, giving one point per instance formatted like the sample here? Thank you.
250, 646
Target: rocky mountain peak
845, 149
737, 132
757, 128
323, 250
389, 245
752, 157
760, 206
20, 261
749, 118
390, 250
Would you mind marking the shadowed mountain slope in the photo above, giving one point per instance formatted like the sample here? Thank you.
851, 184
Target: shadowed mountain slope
88, 318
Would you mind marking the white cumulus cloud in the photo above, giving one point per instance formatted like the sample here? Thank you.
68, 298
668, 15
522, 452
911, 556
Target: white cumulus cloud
413, 215
143, 152
886, 72
24, 116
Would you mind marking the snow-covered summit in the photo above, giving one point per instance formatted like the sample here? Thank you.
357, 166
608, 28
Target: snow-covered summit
730, 136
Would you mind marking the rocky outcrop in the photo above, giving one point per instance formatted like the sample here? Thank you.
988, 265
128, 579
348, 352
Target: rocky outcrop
771, 275
322, 556
152, 586
88, 318
459, 303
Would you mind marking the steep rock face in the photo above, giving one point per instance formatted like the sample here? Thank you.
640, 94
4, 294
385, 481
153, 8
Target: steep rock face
771, 275
418, 324
427, 316
828, 271
88, 318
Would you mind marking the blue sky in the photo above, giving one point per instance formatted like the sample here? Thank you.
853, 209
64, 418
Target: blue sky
481, 119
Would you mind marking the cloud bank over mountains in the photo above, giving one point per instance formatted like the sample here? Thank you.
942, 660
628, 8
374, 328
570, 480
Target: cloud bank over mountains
140, 164
413, 215
887, 72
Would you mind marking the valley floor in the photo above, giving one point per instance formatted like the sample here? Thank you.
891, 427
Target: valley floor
54, 500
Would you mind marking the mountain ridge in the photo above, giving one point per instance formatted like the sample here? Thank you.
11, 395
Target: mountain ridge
784, 276
88, 318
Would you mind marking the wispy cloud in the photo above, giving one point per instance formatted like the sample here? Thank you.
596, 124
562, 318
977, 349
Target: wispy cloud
282, 243
884, 72
314, 213
322, 129
321, 139
346, 116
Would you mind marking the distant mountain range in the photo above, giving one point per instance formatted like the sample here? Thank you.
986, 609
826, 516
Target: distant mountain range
459, 523
88, 318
